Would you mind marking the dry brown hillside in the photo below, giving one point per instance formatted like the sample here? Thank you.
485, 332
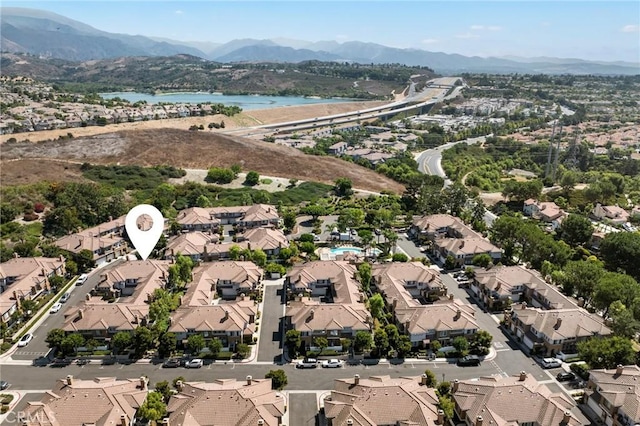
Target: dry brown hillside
196, 150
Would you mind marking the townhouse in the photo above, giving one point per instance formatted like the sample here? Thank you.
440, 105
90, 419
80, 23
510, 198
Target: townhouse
133, 281
414, 295
449, 236
514, 400
25, 279
614, 395
105, 241
210, 219
230, 402
75, 402
498, 287
338, 310
382, 400
546, 211
102, 320
558, 330
228, 279
197, 219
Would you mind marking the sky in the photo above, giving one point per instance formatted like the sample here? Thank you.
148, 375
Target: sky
593, 30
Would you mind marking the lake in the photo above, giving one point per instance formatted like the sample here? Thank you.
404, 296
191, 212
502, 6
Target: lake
246, 102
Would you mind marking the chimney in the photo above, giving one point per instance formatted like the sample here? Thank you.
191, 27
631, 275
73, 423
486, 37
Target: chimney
87, 297
619, 369
566, 417
451, 297
524, 305
394, 303
165, 421
69, 380
406, 326
356, 379
479, 421
299, 297
456, 383
423, 380
523, 376
80, 313
143, 383
558, 323
61, 258
260, 421
458, 314
43, 272
440, 420
311, 313
349, 422
123, 420
16, 298
249, 380
462, 244
226, 315
179, 385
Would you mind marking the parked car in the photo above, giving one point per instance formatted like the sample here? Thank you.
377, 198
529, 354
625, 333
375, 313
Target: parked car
65, 297
307, 363
565, 376
60, 362
3, 384
551, 363
194, 363
469, 360
171, 363
332, 363
55, 308
25, 340
82, 279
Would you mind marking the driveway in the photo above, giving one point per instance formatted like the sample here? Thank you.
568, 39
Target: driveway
303, 409
270, 346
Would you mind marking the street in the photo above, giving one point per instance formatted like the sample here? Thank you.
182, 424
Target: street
270, 341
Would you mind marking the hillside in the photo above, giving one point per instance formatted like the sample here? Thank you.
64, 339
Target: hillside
194, 150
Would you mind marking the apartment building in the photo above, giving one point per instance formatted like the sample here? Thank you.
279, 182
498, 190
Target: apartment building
133, 281
382, 400
228, 279
105, 241
25, 279
614, 395
230, 402
75, 402
514, 400
102, 320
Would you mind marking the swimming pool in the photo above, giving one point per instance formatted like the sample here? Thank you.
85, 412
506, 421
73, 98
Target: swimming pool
357, 250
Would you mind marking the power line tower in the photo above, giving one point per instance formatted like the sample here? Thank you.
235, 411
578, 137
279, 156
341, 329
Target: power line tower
572, 157
555, 162
547, 169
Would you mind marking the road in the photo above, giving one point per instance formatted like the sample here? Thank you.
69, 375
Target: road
270, 341
430, 160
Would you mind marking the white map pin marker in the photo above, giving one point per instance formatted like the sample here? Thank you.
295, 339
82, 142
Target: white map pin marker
144, 241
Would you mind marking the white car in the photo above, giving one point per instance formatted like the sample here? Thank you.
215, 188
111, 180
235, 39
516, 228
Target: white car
55, 308
551, 363
82, 279
194, 363
332, 363
25, 340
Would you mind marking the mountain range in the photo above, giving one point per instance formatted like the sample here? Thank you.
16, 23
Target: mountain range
48, 34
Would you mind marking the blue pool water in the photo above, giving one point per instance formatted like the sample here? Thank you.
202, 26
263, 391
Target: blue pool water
343, 250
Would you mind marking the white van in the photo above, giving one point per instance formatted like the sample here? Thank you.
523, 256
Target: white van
551, 363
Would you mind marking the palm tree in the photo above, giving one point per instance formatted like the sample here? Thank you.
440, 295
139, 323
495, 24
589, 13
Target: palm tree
391, 239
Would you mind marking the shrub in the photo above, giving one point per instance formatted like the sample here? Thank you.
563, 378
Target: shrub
38, 207
581, 370
30, 217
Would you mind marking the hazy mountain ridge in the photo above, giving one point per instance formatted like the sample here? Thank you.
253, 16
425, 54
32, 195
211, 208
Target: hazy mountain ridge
47, 34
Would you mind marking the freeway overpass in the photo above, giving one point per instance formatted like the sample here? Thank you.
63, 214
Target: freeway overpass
435, 91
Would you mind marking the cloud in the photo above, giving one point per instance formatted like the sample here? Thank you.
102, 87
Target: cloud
485, 28
630, 29
430, 41
467, 35
178, 12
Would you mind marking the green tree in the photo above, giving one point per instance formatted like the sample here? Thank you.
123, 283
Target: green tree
56, 281
343, 187
235, 252
203, 201
195, 343
432, 382
447, 405
576, 230
444, 388
84, 260
278, 379
289, 218
167, 344
364, 274
607, 352
321, 342
362, 341
55, 337
614, 286
164, 389
623, 322
351, 218
259, 257
376, 305
153, 408
461, 344
120, 341
143, 340
399, 257
392, 335
163, 196
292, 341
243, 350
483, 260
252, 178
382, 342
215, 346
581, 277
71, 343
403, 346
220, 175
621, 251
